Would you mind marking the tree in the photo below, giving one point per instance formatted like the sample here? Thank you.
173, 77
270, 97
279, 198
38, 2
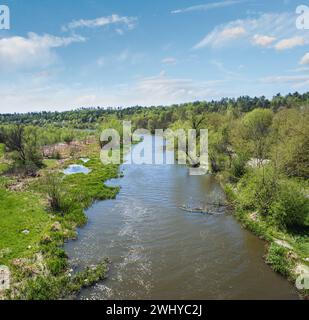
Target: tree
290, 132
22, 142
255, 128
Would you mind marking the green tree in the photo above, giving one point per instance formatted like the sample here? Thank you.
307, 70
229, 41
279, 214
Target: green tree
255, 129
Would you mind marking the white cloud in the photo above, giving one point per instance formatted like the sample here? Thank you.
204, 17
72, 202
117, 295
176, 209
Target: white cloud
169, 61
125, 56
305, 59
208, 6
260, 30
294, 81
285, 79
114, 19
290, 43
224, 70
262, 40
217, 38
31, 51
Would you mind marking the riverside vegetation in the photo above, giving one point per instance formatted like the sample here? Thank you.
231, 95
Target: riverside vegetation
41, 208
258, 148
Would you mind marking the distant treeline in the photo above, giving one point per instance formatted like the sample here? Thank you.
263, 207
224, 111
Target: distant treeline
88, 117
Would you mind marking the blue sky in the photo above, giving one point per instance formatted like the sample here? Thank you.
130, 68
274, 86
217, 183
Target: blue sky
60, 55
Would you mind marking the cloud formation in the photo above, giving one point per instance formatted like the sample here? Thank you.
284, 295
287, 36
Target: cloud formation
208, 6
305, 59
290, 43
263, 31
263, 41
169, 61
113, 19
32, 51
293, 81
219, 37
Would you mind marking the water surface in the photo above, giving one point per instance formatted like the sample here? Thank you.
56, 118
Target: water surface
76, 168
159, 251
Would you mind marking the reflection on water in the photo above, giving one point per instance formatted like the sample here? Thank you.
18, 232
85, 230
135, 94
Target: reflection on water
159, 251
76, 168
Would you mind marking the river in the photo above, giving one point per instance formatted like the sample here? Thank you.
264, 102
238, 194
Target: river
159, 251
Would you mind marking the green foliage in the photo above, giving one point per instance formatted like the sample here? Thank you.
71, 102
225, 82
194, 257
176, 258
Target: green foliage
257, 190
52, 288
290, 207
68, 137
238, 166
2, 150
280, 201
259, 228
60, 199
255, 129
22, 142
277, 257
57, 262
290, 134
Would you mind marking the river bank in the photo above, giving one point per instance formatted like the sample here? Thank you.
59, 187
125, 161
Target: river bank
32, 236
286, 251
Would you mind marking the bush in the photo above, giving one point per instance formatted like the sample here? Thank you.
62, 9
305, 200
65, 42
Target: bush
59, 199
277, 257
238, 166
258, 189
291, 207
68, 138
57, 263
277, 199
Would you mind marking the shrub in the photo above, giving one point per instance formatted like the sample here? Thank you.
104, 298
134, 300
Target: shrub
277, 199
291, 207
58, 198
57, 265
68, 138
258, 189
238, 166
277, 257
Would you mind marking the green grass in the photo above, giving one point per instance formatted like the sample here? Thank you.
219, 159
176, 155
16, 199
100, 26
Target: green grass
277, 257
50, 163
91, 185
20, 211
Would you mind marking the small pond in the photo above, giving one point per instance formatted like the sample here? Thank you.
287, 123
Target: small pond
76, 168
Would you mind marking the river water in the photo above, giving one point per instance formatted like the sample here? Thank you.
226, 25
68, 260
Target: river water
159, 251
